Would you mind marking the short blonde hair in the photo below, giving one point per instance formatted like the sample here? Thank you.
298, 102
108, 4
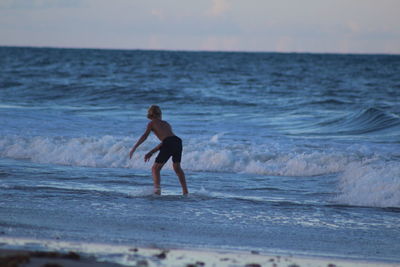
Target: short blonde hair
154, 112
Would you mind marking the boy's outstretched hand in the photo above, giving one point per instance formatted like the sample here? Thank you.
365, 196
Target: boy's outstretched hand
148, 156
131, 153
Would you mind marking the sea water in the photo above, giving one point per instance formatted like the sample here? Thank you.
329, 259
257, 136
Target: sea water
282, 152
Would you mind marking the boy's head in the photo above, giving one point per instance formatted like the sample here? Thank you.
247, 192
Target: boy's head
154, 112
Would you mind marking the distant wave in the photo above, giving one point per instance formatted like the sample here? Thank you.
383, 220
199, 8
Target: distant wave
328, 102
365, 122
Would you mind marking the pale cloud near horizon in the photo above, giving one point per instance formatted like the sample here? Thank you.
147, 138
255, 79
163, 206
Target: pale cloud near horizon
344, 26
218, 7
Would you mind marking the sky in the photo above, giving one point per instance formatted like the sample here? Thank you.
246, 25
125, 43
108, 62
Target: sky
316, 26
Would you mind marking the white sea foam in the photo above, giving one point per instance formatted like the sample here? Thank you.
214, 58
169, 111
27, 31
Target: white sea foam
365, 178
93, 152
199, 155
372, 184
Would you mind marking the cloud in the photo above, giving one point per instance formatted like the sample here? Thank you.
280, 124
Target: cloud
220, 43
38, 4
284, 44
219, 7
354, 26
158, 13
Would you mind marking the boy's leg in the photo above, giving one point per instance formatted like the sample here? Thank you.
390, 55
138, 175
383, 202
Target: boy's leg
181, 175
156, 177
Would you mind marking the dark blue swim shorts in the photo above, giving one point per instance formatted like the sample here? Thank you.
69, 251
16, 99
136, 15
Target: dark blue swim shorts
171, 146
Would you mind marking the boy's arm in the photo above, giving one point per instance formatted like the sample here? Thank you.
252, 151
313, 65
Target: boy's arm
141, 139
154, 150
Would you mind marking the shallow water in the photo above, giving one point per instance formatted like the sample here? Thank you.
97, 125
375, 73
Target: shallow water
293, 152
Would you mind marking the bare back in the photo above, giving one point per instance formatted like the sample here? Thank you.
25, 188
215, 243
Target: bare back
161, 129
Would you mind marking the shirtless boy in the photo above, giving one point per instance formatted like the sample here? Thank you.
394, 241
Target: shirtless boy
170, 145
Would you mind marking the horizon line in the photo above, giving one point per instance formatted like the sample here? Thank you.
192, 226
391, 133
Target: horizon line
202, 51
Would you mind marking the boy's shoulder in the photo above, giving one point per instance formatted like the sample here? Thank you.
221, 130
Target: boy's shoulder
153, 123
157, 121
150, 124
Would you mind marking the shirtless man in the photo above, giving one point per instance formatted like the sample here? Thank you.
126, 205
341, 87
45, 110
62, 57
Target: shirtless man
170, 145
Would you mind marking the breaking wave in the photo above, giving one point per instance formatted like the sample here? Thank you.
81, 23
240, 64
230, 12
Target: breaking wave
371, 185
365, 177
208, 155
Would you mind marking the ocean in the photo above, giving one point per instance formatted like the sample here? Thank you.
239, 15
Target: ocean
283, 152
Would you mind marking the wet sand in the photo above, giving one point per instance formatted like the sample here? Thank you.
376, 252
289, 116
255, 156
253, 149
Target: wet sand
147, 257
16, 258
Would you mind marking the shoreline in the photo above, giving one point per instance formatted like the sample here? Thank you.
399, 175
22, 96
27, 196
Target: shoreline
31, 253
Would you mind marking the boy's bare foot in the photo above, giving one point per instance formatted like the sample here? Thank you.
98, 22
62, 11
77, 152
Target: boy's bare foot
157, 191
